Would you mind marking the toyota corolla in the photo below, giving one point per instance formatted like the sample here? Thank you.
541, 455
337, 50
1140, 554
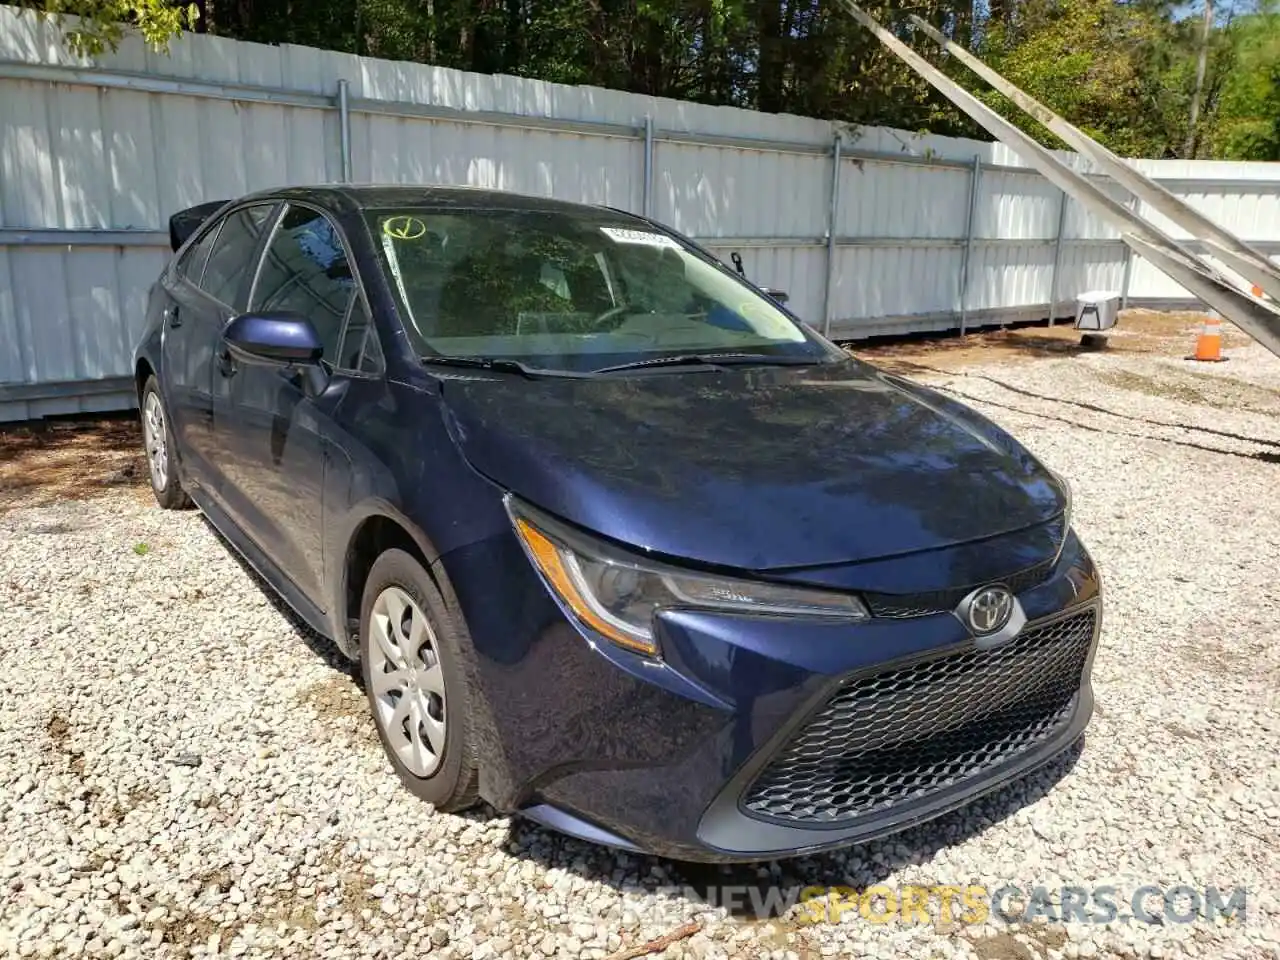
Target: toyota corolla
620, 544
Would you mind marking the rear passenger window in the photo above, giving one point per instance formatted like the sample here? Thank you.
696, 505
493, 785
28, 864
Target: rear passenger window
305, 271
192, 263
232, 254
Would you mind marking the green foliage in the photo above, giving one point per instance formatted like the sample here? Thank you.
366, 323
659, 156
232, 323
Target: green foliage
1092, 62
102, 23
1122, 71
1125, 74
1247, 122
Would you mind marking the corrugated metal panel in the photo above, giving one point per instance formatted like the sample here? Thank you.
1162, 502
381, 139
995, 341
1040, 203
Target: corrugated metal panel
890, 200
717, 192
97, 153
876, 282
1244, 201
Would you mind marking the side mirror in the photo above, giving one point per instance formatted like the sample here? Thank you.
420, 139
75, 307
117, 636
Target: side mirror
283, 338
778, 295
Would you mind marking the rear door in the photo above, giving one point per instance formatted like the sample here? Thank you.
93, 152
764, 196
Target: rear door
208, 284
272, 435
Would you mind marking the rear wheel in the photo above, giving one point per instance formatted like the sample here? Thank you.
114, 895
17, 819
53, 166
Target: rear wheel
418, 689
158, 439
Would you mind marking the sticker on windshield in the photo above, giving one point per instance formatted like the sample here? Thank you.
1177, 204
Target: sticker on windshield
404, 228
643, 237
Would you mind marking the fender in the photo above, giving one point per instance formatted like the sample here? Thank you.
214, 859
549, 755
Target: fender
338, 544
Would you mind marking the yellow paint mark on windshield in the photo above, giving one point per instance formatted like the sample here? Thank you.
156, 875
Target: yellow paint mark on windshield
404, 228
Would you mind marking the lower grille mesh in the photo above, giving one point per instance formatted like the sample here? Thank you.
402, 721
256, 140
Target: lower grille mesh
905, 733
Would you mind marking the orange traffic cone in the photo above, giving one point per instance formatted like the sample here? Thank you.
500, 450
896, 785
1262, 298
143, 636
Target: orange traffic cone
1209, 344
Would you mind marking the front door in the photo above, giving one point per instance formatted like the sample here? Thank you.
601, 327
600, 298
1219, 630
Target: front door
272, 433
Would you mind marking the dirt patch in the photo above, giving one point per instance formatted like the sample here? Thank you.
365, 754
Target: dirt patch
182, 929
1001, 946
59, 730
1197, 387
334, 698
1152, 386
1137, 331
49, 460
340, 705
355, 892
1181, 732
1266, 393
186, 927
1053, 938
1221, 659
1006, 946
353, 884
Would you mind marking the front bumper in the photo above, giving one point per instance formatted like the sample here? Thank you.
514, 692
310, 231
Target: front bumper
663, 757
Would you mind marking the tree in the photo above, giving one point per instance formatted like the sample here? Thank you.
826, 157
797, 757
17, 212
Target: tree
1246, 124
102, 23
1091, 61
1126, 72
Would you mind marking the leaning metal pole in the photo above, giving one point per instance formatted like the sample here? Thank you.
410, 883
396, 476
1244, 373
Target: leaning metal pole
1255, 317
1224, 245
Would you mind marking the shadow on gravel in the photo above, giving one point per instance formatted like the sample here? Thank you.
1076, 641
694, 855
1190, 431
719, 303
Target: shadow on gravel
764, 890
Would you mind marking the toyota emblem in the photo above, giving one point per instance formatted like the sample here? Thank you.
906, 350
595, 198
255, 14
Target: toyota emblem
989, 610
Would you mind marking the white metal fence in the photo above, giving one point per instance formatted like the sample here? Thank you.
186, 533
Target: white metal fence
915, 233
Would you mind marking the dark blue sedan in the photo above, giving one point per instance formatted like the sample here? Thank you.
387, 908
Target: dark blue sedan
620, 544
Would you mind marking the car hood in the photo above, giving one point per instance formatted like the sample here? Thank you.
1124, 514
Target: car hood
758, 468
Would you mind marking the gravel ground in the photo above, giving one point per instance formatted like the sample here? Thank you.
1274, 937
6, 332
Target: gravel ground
184, 772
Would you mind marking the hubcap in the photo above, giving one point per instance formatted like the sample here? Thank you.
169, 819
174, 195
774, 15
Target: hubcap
407, 681
157, 447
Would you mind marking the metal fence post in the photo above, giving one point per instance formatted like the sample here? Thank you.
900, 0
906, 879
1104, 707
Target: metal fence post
1127, 276
833, 225
1057, 258
344, 129
975, 182
647, 200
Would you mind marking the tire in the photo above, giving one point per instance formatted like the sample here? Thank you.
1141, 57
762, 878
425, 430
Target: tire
442, 767
159, 448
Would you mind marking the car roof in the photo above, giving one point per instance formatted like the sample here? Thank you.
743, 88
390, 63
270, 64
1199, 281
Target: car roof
344, 198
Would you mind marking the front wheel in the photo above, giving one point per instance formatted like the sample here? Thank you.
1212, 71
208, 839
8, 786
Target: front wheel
411, 654
160, 449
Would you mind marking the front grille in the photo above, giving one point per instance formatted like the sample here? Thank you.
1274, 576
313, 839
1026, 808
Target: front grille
902, 605
903, 734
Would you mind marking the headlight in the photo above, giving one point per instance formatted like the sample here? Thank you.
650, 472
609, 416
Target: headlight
617, 595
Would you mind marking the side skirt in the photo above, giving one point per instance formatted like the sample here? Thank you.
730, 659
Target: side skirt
310, 614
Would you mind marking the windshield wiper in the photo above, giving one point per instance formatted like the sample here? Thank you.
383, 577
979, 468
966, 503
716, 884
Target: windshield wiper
498, 364
712, 360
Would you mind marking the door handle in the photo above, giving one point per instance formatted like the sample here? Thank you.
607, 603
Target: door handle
171, 316
226, 364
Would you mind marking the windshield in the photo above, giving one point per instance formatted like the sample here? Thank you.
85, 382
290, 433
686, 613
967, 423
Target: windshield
574, 291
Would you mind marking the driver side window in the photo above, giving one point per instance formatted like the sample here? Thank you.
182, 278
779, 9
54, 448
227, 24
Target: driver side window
305, 270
